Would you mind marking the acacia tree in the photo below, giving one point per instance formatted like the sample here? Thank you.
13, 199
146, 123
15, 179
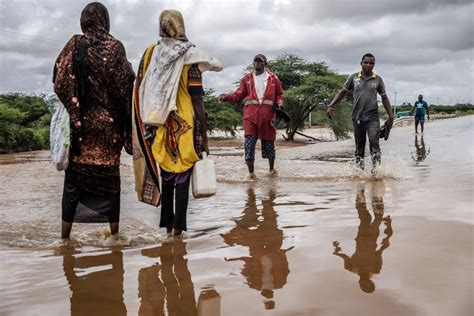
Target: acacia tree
308, 85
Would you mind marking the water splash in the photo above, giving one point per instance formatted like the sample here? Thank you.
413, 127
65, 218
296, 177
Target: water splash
392, 168
33, 236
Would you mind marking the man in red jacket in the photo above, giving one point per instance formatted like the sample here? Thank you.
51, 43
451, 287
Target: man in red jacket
259, 90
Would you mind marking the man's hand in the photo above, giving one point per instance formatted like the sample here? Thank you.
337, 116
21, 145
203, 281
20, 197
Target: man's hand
389, 122
222, 97
428, 117
330, 112
206, 146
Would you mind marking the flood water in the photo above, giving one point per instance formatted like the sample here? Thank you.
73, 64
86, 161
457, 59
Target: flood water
318, 239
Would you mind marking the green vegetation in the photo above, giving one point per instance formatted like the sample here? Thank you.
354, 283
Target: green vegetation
24, 123
308, 88
458, 109
220, 116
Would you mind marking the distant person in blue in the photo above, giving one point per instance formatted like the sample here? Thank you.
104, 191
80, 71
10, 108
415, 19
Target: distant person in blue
421, 109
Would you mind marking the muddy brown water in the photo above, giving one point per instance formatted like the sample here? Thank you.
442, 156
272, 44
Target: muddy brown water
318, 239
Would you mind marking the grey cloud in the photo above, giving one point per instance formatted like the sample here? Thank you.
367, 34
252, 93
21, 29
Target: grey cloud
407, 37
313, 11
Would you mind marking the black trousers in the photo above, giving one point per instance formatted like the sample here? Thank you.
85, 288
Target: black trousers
362, 130
171, 217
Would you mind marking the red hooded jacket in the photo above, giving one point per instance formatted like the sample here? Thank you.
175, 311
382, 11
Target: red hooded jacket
258, 117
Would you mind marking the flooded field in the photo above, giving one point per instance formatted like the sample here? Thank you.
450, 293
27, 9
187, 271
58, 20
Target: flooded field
317, 239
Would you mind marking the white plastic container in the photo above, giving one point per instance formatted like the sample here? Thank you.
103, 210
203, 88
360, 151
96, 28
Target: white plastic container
209, 303
59, 136
204, 178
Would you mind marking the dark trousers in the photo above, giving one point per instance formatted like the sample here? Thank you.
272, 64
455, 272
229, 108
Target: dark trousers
268, 148
171, 218
419, 119
86, 207
362, 130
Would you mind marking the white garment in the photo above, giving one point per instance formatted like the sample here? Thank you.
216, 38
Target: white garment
260, 84
59, 137
159, 88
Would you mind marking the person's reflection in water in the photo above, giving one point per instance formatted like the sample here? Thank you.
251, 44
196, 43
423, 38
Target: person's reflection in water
168, 281
367, 259
267, 267
96, 283
421, 151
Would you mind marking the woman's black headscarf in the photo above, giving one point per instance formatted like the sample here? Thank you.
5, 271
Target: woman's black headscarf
95, 19
93, 47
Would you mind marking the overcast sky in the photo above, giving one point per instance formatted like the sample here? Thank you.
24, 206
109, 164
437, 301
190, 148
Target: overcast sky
421, 46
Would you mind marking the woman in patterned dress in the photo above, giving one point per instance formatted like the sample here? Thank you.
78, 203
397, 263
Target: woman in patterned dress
94, 81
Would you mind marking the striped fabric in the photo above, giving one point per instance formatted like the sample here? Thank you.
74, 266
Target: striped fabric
148, 179
150, 193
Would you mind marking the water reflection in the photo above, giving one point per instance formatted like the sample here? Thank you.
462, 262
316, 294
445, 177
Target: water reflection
367, 259
209, 303
266, 269
168, 282
96, 283
421, 151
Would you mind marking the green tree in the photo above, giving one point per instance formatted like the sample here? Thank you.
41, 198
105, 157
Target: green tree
307, 86
10, 119
220, 116
24, 122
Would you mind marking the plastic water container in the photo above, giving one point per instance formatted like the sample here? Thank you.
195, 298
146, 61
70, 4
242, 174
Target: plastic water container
209, 303
204, 178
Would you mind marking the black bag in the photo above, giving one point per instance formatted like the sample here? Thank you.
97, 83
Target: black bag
384, 132
280, 113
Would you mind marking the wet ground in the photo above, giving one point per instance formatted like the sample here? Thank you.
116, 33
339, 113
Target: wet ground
318, 239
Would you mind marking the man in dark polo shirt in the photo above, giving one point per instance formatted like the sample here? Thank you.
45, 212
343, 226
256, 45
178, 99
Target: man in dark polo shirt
365, 85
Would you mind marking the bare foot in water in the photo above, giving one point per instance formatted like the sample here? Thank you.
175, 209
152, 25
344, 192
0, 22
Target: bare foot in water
114, 228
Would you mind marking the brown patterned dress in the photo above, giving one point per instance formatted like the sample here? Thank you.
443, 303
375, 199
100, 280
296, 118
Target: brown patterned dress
94, 81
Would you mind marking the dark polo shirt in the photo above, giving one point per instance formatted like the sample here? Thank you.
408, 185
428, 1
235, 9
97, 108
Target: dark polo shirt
365, 95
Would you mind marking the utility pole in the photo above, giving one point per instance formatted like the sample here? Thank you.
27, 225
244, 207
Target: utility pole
395, 103
438, 101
